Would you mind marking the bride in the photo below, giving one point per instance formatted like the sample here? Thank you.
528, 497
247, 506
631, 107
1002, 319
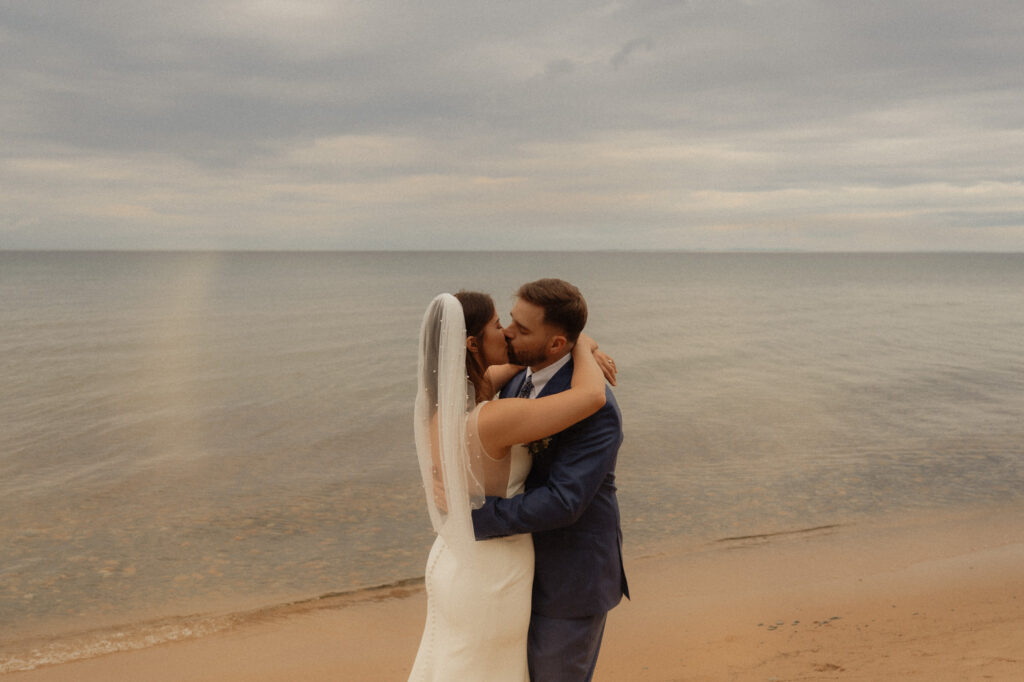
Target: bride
479, 592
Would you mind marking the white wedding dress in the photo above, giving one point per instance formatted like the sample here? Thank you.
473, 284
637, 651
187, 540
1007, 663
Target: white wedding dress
478, 599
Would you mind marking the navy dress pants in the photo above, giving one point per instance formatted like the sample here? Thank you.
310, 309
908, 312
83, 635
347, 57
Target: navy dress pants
564, 649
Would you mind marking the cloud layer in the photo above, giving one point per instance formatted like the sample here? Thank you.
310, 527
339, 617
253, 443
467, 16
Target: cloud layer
709, 124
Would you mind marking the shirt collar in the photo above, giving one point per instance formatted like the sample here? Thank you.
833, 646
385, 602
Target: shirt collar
541, 377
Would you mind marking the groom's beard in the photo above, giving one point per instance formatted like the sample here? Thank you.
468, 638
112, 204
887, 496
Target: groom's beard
526, 358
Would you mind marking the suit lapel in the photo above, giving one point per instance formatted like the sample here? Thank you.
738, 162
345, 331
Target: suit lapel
560, 382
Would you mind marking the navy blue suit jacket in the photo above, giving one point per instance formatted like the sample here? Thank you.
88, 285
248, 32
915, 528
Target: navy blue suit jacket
571, 509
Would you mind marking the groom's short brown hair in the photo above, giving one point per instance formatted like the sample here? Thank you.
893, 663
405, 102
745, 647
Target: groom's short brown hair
563, 304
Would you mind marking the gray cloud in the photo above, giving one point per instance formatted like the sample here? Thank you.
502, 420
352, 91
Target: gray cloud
702, 124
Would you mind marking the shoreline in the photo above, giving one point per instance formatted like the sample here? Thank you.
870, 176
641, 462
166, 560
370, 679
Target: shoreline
33, 652
926, 598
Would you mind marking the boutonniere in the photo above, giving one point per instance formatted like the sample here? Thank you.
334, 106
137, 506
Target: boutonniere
538, 446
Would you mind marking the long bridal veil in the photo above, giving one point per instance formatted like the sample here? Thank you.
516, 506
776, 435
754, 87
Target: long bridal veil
453, 482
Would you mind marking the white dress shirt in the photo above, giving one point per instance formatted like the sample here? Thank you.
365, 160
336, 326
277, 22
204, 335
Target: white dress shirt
541, 377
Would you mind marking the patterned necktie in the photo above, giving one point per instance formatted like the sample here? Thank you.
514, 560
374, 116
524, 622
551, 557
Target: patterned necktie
526, 388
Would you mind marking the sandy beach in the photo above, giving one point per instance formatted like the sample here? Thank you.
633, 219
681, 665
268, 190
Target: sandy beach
936, 598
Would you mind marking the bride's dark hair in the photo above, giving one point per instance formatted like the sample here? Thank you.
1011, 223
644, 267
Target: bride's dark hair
477, 310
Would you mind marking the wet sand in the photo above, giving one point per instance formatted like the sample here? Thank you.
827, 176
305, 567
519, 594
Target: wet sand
936, 599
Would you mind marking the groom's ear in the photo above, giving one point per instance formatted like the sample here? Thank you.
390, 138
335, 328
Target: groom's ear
557, 344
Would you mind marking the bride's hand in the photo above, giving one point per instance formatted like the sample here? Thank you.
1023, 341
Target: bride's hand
607, 365
604, 361
586, 341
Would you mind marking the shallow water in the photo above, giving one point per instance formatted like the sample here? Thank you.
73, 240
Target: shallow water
211, 433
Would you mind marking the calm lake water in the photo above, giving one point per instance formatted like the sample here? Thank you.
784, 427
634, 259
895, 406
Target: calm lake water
187, 436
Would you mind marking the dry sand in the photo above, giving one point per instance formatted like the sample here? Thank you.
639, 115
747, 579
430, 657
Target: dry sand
931, 599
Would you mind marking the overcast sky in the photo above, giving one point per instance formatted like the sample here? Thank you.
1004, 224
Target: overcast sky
504, 124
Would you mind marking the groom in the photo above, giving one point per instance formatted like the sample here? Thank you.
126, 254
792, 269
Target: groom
569, 504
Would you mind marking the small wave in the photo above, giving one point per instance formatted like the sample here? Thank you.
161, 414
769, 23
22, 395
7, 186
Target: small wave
34, 653
780, 533
99, 643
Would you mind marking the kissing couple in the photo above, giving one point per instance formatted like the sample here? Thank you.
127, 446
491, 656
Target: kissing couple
517, 437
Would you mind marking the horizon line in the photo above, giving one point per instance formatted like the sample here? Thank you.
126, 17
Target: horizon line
782, 251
